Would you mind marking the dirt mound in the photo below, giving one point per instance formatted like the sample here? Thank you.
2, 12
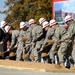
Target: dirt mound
20, 65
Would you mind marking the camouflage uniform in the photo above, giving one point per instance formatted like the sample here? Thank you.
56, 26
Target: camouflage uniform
72, 36
49, 36
28, 42
65, 47
73, 51
15, 34
59, 32
28, 36
45, 45
13, 45
37, 39
21, 44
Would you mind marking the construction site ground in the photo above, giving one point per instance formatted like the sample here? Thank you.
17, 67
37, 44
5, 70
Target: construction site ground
44, 67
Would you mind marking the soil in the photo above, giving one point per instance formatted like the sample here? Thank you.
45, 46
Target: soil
23, 65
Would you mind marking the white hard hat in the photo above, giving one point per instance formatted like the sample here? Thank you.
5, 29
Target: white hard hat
45, 24
52, 22
41, 20
22, 24
3, 23
7, 28
67, 18
31, 21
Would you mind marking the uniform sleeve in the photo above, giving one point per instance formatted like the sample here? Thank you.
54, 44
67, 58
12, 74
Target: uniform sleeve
65, 37
59, 32
56, 35
49, 35
33, 35
28, 36
68, 35
13, 40
37, 33
45, 41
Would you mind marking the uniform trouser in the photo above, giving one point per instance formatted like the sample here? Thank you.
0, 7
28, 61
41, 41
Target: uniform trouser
73, 53
19, 51
19, 54
62, 51
47, 50
27, 49
35, 51
52, 53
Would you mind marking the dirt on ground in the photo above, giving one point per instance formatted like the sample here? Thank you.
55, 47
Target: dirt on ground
23, 65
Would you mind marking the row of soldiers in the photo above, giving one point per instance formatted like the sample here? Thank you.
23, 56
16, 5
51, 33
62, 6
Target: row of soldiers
47, 42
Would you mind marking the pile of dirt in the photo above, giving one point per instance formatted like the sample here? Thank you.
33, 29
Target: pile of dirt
23, 65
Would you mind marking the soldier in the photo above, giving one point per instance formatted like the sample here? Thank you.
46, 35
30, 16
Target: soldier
14, 36
2, 34
37, 33
71, 32
14, 33
28, 49
66, 43
21, 42
64, 49
59, 32
49, 35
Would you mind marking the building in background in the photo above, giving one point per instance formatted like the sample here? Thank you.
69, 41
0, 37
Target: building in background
60, 14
